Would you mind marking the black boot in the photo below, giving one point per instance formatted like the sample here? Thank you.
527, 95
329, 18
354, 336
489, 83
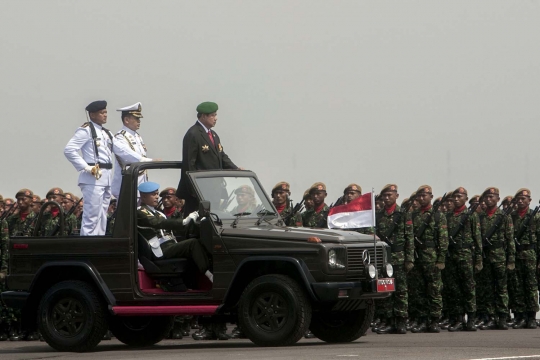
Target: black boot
411, 324
471, 326
381, 323
33, 336
489, 324
14, 333
401, 328
221, 331
434, 326
457, 325
445, 323
375, 322
420, 326
238, 334
388, 329
531, 322
520, 321
3, 334
309, 335
501, 323
206, 333
176, 331
509, 321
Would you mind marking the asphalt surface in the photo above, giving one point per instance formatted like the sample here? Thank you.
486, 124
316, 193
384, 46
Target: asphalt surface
489, 344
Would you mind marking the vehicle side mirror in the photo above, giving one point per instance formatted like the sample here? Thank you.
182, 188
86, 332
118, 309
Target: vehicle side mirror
204, 208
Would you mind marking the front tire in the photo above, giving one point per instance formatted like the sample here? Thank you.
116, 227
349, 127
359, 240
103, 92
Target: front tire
343, 326
71, 317
141, 331
274, 311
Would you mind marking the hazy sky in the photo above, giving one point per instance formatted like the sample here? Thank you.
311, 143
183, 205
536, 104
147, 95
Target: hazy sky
444, 93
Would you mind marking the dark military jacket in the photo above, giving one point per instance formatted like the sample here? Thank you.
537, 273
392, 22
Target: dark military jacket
396, 228
49, 224
310, 218
528, 240
4, 239
198, 153
467, 242
150, 222
289, 220
19, 227
433, 244
503, 248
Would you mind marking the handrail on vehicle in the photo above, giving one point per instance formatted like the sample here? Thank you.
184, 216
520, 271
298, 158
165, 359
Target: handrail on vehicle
39, 218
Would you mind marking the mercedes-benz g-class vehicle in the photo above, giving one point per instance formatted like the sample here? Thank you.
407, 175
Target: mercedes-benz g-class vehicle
275, 281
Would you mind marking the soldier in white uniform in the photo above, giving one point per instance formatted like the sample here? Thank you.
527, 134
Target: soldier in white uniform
95, 144
129, 145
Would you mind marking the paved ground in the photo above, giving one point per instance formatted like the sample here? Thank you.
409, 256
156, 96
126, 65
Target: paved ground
511, 344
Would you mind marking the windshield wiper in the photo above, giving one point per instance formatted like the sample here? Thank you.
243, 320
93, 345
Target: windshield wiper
263, 214
238, 216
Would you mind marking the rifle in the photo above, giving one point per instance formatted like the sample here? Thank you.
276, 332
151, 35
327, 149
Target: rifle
295, 210
464, 219
497, 223
420, 232
8, 213
525, 225
67, 215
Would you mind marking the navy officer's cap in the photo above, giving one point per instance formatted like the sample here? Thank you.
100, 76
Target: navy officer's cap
96, 106
148, 187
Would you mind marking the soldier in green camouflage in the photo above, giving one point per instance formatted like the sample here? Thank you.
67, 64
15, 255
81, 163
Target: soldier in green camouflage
78, 215
317, 216
431, 247
395, 228
36, 204
22, 223
281, 193
464, 257
499, 256
50, 222
245, 197
524, 276
6, 315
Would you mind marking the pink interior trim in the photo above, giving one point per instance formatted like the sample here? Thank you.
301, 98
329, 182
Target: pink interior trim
164, 310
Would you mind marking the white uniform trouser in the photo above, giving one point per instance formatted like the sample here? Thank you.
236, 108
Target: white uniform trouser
96, 203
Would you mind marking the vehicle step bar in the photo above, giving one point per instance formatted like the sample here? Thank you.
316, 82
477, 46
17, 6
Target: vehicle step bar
164, 310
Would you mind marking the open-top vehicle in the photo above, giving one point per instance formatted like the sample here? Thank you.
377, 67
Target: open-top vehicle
275, 281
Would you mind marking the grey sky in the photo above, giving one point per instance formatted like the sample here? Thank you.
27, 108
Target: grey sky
412, 92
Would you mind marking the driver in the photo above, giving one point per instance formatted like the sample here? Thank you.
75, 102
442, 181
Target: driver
157, 231
245, 197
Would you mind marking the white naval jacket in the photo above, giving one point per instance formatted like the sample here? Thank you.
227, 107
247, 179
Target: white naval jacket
82, 141
129, 148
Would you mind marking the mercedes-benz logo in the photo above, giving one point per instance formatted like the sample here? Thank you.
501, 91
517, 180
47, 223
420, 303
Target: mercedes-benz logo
366, 258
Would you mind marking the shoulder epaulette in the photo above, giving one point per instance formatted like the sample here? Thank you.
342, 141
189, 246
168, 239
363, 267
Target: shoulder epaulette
85, 125
123, 132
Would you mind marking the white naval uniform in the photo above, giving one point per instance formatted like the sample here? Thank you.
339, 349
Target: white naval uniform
129, 148
96, 192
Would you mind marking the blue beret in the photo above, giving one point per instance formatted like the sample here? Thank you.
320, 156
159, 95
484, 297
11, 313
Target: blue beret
207, 107
148, 187
96, 106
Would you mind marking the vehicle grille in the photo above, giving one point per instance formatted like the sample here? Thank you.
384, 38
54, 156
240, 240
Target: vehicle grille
355, 265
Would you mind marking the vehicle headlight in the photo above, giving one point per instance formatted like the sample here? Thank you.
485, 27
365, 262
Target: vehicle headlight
389, 270
333, 261
372, 272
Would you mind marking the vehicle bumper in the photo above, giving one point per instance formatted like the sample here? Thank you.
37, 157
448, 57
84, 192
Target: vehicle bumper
370, 289
15, 299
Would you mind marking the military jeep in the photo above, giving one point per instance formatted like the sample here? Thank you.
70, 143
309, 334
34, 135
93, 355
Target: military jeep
276, 282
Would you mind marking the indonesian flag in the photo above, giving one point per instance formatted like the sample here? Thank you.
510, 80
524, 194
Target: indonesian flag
356, 214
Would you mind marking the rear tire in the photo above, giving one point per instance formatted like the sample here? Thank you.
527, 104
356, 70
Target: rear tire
274, 311
141, 331
71, 317
342, 327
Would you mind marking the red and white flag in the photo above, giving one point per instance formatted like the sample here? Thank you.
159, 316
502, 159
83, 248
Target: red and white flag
356, 214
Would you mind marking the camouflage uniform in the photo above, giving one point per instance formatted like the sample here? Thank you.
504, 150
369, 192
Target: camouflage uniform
312, 218
464, 250
401, 240
432, 250
7, 315
19, 227
50, 224
496, 259
524, 275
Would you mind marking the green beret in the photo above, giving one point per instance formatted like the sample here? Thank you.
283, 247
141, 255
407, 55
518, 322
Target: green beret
207, 107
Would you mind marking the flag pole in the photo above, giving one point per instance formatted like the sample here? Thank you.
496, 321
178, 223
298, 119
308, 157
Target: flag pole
374, 232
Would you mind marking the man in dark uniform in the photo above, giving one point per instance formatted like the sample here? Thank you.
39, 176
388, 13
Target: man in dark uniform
201, 150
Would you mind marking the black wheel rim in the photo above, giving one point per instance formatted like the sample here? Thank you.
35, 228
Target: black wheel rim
270, 311
68, 317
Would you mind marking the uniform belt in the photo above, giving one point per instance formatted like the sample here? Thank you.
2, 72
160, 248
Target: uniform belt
102, 166
459, 246
427, 245
493, 246
524, 247
397, 248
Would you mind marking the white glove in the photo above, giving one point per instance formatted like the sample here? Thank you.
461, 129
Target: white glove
191, 217
88, 169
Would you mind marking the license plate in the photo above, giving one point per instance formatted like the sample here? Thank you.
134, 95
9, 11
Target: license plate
385, 285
